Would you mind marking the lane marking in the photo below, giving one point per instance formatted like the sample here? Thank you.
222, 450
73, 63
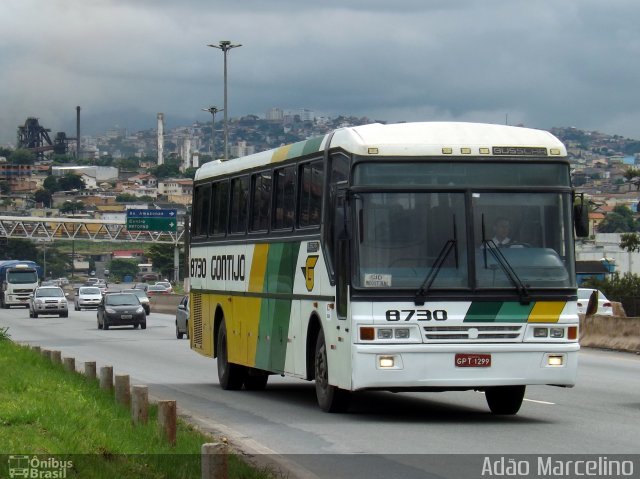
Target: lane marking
539, 402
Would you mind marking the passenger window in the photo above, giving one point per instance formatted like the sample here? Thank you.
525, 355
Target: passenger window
239, 203
311, 179
219, 209
261, 201
284, 197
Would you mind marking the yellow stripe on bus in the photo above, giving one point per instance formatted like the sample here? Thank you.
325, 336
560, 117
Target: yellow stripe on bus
251, 306
280, 154
546, 312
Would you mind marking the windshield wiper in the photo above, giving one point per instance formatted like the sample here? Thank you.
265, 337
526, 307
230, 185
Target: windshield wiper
488, 244
421, 294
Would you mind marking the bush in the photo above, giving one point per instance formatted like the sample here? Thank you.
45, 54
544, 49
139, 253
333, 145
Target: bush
624, 289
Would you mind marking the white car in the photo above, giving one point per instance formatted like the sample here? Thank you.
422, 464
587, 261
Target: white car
604, 305
166, 285
87, 297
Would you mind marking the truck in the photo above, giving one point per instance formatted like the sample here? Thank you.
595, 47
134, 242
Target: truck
18, 281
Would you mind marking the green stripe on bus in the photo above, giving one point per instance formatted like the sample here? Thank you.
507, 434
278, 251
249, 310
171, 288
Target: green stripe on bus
296, 149
273, 331
482, 311
498, 312
313, 144
512, 312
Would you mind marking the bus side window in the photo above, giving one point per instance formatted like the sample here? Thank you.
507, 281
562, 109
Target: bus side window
219, 208
239, 203
260, 201
310, 191
203, 202
284, 197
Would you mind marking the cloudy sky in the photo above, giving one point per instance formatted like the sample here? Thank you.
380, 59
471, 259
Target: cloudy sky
541, 63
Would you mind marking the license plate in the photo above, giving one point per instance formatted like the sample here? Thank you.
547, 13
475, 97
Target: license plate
473, 360
126, 316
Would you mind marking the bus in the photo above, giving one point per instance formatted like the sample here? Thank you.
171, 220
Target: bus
366, 259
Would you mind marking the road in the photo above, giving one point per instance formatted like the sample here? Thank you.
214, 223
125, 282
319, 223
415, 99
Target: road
388, 432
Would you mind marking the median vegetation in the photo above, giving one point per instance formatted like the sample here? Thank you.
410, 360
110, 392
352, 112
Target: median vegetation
52, 413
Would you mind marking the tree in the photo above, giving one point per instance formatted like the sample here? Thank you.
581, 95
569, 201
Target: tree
19, 249
162, 258
72, 206
43, 196
50, 184
119, 268
57, 263
4, 187
630, 242
22, 157
620, 220
71, 181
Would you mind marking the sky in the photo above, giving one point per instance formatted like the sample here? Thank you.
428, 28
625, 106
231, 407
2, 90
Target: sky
542, 64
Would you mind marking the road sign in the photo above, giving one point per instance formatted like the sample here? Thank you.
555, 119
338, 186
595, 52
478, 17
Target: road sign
152, 220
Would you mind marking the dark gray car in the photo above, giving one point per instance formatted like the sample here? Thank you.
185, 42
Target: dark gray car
121, 309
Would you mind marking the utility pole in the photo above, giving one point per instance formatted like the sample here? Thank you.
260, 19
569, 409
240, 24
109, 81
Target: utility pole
213, 110
225, 46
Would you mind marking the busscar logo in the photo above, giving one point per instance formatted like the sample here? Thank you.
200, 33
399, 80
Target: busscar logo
308, 271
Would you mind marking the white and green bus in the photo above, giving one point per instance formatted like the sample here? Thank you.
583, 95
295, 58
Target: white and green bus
367, 259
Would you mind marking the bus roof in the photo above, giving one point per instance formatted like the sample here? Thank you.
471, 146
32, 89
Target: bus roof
447, 139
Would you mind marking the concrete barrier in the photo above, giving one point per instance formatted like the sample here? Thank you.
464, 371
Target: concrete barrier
165, 303
610, 332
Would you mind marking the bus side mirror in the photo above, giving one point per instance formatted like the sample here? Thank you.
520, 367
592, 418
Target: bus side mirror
581, 217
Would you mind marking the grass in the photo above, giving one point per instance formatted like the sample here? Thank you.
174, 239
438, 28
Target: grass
50, 412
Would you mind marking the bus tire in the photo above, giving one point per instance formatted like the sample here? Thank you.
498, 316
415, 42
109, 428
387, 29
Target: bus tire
231, 376
330, 398
505, 400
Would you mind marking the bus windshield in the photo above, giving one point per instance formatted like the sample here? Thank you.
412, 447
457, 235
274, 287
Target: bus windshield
466, 239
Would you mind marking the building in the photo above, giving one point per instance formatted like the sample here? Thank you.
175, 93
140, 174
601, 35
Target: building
177, 191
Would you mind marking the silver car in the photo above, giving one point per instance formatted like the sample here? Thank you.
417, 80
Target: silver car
48, 300
182, 318
87, 297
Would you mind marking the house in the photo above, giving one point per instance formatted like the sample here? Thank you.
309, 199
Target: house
177, 191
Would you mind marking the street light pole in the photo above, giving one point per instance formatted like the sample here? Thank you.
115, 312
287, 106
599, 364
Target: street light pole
225, 46
213, 110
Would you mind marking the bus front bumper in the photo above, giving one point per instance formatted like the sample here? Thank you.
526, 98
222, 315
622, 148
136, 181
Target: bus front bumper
463, 366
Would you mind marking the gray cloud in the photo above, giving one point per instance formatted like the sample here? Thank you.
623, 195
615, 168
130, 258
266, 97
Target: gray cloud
544, 63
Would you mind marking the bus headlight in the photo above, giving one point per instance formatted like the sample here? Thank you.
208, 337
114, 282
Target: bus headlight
402, 333
551, 333
557, 332
386, 334
540, 332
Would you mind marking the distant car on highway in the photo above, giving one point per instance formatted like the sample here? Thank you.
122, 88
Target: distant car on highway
142, 286
102, 285
605, 308
87, 297
48, 300
166, 285
157, 289
121, 309
142, 296
182, 318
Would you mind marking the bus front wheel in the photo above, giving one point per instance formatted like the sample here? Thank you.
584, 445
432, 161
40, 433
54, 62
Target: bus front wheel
505, 399
231, 376
330, 398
